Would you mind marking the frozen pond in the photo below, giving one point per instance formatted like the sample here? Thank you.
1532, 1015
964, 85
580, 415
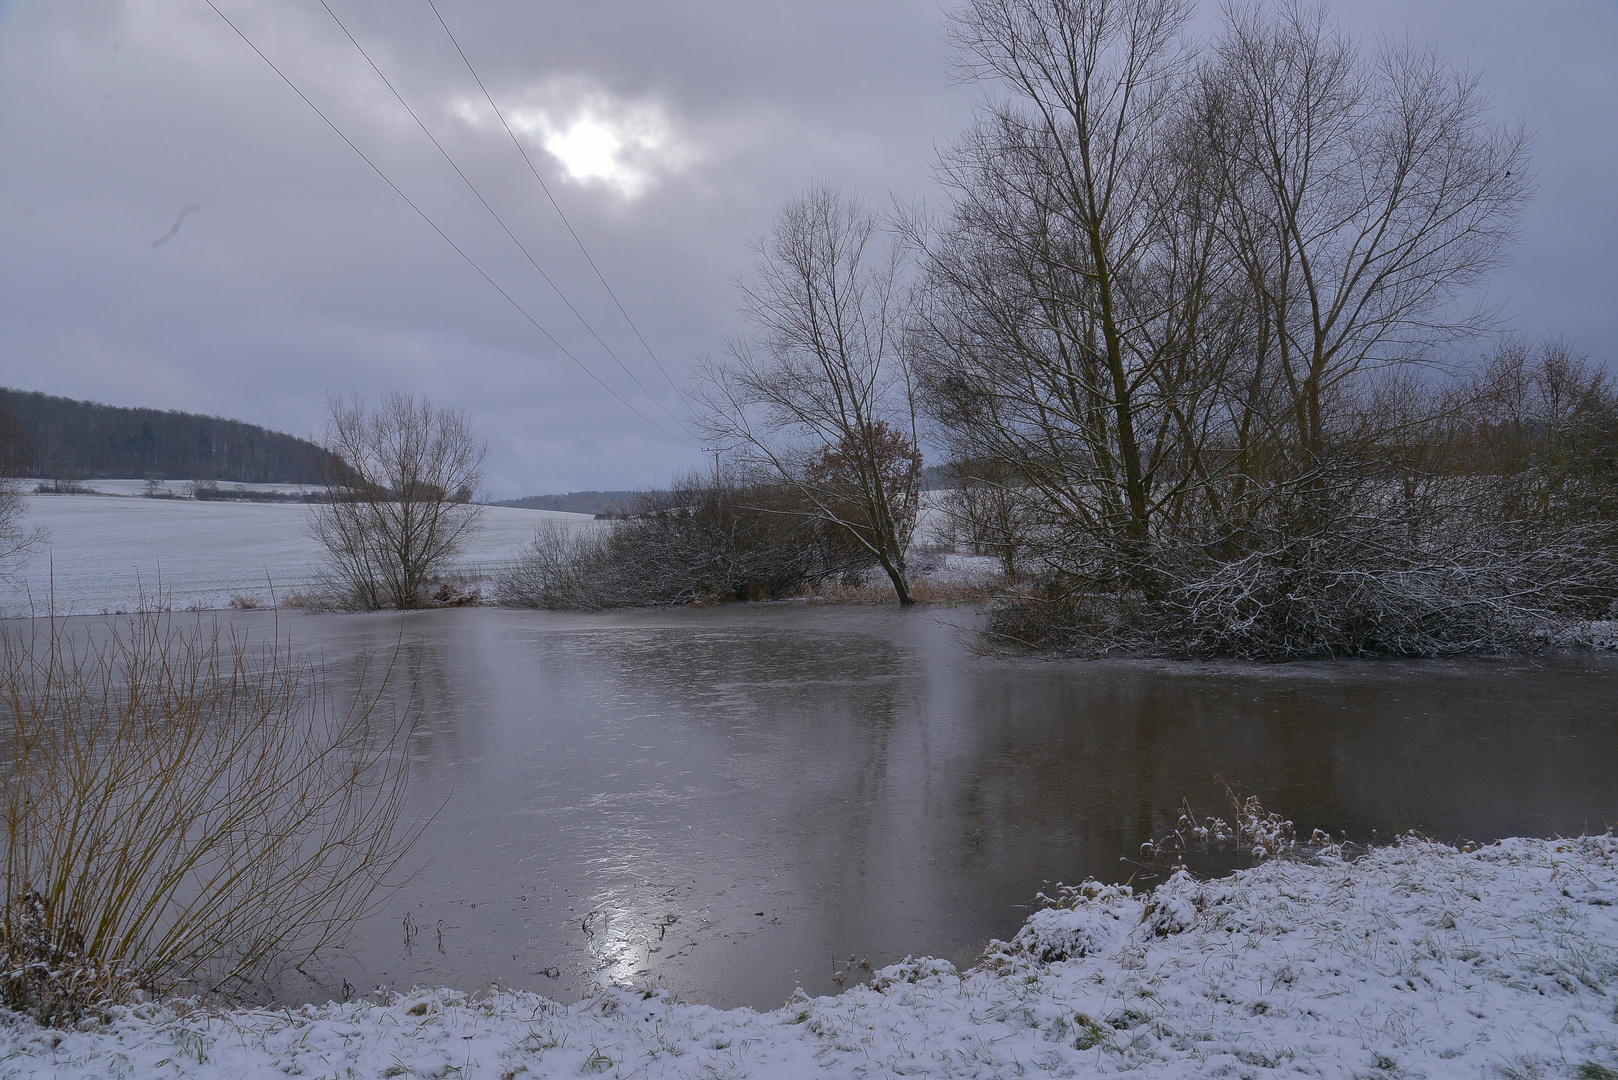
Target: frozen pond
731, 802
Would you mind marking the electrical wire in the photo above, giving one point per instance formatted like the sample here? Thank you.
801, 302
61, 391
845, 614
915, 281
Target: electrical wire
554, 204
434, 226
492, 213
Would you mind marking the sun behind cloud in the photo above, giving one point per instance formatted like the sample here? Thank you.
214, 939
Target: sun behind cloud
625, 146
589, 150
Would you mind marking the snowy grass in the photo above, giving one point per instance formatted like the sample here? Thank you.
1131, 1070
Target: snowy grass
1414, 961
105, 551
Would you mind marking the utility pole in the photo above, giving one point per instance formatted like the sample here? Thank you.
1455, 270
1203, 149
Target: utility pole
715, 451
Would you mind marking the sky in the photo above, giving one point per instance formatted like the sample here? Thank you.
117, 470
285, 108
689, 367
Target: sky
668, 134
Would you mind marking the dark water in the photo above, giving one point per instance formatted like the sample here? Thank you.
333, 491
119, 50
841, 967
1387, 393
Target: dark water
725, 802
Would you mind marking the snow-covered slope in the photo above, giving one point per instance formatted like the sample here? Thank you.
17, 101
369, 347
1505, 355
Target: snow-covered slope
1415, 961
102, 551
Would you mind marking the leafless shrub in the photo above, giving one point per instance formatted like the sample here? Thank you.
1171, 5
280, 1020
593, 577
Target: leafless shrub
397, 507
63, 487
182, 811
1358, 565
457, 590
700, 542
314, 600
923, 589
210, 491
49, 974
555, 571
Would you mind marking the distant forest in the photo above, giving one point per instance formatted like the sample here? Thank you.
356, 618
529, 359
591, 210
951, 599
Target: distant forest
619, 503
583, 502
62, 439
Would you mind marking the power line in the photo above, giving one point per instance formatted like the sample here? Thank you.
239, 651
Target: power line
492, 213
434, 226
554, 204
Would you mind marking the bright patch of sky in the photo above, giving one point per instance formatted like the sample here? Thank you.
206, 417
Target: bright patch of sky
624, 146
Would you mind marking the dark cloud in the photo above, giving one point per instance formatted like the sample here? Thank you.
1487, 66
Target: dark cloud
306, 275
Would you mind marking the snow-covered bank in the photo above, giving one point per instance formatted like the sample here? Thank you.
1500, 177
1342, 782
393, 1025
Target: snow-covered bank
1415, 961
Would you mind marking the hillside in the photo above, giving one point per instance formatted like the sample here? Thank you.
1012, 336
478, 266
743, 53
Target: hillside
59, 438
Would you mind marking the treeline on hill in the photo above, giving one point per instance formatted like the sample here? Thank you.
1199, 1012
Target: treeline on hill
618, 504
62, 439
595, 503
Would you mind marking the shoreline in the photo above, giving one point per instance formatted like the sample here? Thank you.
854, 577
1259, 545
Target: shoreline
1415, 960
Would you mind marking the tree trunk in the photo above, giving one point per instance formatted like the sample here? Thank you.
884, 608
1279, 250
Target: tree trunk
901, 587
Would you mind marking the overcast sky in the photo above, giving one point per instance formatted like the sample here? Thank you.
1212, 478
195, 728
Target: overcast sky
669, 133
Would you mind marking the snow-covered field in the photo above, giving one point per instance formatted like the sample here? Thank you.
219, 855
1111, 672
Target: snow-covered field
102, 551
1414, 961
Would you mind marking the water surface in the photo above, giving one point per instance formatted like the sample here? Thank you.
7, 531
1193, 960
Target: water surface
732, 802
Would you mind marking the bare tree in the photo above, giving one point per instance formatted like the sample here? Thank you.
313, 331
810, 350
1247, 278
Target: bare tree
1370, 192
983, 504
820, 396
16, 539
1539, 423
1175, 307
399, 484
1073, 330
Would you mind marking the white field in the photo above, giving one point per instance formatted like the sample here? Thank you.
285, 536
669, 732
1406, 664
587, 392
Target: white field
102, 551
1413, 961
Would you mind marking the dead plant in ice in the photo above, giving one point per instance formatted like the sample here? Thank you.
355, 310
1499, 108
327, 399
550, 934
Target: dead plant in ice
1256, 832
182, 810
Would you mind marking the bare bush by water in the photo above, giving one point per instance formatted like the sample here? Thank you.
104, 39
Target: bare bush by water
183, 810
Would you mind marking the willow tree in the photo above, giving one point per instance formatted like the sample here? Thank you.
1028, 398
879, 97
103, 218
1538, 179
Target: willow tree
1178, 299
1074, 336
818, 394
1372, 193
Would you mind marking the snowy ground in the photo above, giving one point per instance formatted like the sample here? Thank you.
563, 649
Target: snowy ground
102, 551
956, 568
1415, 961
